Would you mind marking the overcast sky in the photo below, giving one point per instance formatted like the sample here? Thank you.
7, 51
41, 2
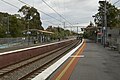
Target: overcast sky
76, 12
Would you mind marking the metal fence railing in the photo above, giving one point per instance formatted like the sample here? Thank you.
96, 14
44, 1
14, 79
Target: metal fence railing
8, 42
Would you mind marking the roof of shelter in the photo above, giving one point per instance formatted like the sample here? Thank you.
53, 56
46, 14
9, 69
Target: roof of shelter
44, 31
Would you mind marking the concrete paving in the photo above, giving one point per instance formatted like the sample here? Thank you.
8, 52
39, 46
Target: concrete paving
98, 63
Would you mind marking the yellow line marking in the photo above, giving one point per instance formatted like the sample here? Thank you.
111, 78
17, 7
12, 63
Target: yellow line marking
65, 69
81, 56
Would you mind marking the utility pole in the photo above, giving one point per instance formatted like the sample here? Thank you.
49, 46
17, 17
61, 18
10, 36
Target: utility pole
8, 25
64, 24
77, 29
64, 28
105, 22
28, 32
8, 30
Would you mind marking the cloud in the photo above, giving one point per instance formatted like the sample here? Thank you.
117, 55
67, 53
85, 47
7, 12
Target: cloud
75, 11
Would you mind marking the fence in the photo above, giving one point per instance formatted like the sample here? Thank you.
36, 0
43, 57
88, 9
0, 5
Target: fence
11, 40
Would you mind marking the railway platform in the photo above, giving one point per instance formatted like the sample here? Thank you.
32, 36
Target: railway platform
90, 62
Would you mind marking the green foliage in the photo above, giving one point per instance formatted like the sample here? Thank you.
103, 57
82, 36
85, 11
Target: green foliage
3, 23
32, 16
2, 31
58, 32
14, 25
11, 23
112, 15
90, 32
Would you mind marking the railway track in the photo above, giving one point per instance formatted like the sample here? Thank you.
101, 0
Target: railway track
28, 69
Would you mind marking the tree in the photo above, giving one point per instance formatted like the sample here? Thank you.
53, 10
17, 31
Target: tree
11, 25
32, 16
2, 31
58, 32
90, 31
15, 27
112, 15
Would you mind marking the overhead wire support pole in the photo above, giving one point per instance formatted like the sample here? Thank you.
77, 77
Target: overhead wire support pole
105, 22
8, 30
64, 28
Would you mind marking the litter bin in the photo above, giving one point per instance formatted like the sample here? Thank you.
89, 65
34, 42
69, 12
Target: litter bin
35, 41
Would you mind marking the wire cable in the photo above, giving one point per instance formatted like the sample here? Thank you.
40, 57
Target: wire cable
40, 11
56, 12
116, 2
28, 5
50, 22
10, 4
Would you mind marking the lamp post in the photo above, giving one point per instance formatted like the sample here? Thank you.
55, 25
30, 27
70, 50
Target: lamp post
28, 33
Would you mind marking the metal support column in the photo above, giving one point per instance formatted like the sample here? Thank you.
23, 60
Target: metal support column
105, 23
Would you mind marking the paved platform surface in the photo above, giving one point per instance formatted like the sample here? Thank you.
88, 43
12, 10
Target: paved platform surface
98, 63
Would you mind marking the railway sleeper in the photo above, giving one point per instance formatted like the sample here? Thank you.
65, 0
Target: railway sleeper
33, 74
19, 64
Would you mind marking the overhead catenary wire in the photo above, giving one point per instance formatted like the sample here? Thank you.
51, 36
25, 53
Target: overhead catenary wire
51, 7
116, 2
10, 4
51, 22
19, 8
31, 6
56, 12
40, 11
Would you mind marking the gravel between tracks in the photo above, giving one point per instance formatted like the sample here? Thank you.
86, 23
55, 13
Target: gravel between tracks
15, 75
